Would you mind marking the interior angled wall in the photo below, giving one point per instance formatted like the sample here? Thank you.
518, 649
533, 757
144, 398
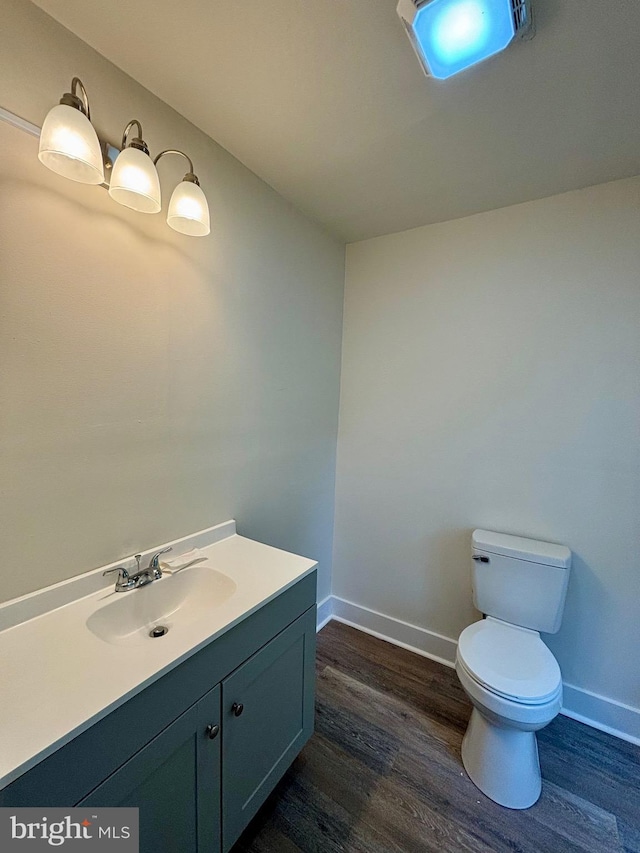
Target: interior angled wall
491, 378
153, 384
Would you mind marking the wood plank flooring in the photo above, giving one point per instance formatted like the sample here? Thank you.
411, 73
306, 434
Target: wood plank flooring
382, 773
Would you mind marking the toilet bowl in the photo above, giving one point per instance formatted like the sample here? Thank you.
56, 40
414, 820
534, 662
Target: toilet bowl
514, 684
510, 675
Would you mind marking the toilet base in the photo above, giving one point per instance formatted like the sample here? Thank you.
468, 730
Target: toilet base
503, 762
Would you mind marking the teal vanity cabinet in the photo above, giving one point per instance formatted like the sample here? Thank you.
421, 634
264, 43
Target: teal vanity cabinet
175, 781
200, 749
267, 718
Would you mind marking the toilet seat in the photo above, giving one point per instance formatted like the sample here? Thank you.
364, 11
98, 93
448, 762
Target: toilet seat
510, 661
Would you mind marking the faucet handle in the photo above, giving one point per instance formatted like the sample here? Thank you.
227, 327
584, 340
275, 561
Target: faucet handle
124, 574
154, 562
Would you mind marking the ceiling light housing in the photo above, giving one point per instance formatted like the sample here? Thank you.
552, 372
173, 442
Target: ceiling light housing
451, 35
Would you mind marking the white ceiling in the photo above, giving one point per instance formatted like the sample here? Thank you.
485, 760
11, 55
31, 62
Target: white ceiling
325, 100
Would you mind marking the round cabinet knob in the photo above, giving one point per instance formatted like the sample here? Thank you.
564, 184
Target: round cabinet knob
237, 708
212, 731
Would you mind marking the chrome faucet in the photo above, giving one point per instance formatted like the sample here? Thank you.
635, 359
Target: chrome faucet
141, 577
154, 565
124, 580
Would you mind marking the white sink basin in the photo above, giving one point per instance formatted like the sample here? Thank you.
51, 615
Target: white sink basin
170, 602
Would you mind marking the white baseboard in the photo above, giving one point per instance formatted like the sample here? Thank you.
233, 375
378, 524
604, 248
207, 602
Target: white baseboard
325, 612
607, 715
599, 712
419, 640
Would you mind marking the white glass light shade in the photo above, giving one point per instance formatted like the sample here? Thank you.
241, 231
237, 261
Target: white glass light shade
134, 181
69, 146
188, 210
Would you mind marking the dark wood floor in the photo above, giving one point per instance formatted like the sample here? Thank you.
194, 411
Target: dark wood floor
383, 770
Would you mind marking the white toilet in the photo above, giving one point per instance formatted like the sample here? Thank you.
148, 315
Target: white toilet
510, 675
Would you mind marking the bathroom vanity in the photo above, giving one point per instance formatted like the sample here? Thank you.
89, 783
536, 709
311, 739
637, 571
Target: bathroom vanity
199, 747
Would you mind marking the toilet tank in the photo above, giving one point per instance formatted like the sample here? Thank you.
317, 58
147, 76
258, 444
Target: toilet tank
521, 581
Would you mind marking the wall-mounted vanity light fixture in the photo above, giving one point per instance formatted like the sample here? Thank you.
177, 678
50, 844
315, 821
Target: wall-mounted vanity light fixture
134, 180
70, 147
69, 144
188, 209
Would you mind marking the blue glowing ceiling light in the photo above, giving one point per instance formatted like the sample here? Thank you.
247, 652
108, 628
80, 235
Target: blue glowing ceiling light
451, 35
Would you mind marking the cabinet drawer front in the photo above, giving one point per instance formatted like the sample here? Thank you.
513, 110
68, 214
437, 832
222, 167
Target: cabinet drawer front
175, 782
267, 717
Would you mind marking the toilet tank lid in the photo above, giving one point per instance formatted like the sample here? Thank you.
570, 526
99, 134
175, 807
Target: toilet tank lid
545, 553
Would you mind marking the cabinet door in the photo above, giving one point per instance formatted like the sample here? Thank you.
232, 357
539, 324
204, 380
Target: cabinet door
175, 782
267, 717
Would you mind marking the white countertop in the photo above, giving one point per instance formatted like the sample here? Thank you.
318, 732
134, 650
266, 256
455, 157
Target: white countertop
58, 678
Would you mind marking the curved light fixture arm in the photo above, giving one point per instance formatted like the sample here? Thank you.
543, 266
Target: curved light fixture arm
190, 175
137, 141
71, 99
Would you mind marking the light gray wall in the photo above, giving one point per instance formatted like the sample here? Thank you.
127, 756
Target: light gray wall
153, 384
491, 378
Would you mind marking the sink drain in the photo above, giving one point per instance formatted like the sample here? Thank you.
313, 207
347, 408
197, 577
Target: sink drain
158, 631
